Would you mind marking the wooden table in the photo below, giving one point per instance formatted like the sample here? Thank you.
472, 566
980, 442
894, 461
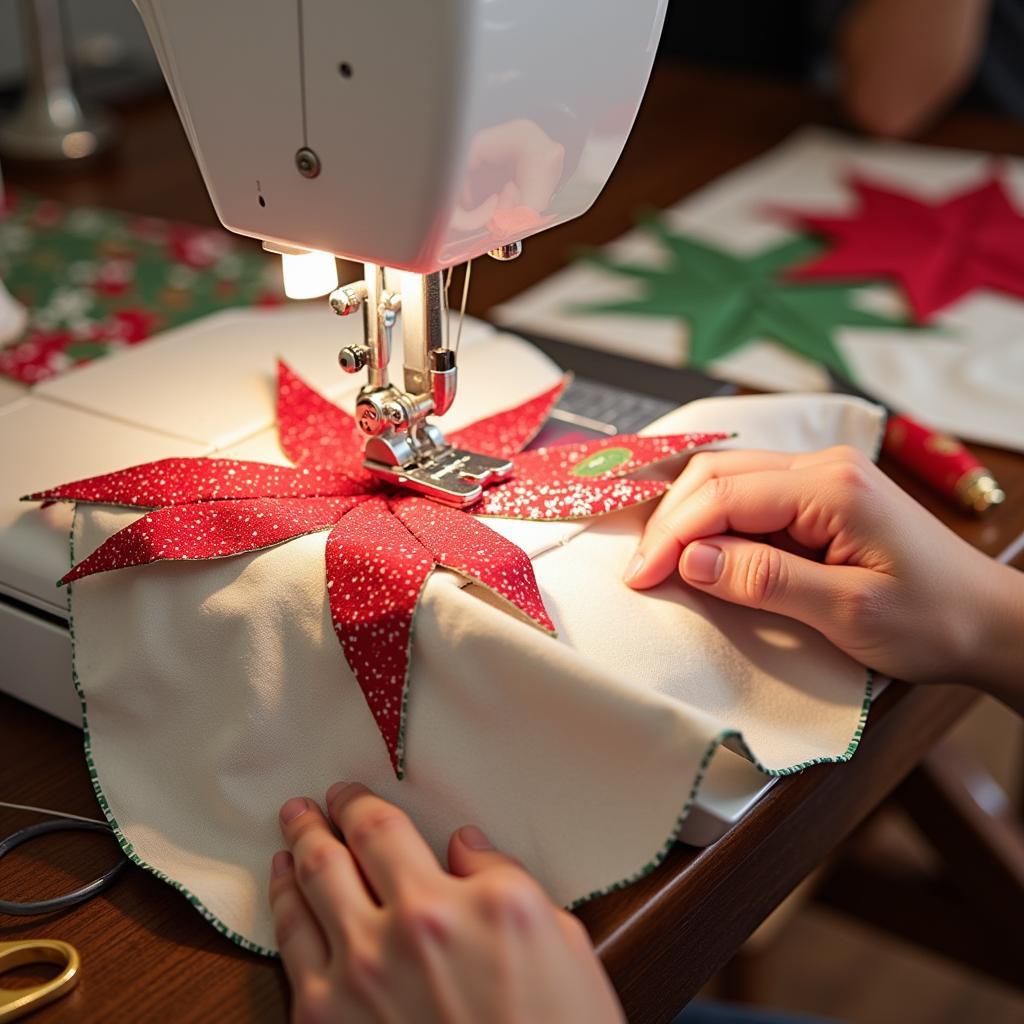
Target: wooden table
148, 956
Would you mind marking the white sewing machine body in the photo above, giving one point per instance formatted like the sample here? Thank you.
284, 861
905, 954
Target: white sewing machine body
434, 131
409, 136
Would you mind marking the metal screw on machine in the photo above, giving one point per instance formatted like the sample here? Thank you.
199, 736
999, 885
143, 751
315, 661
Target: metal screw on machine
352, 358
348, 298
345, 301
397, 415
504, 253
307, 162
369, 419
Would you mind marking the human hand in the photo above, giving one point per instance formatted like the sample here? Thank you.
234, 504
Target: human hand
828, 539
373, 929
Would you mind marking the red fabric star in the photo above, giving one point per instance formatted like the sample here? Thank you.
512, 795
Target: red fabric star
383, 543
937, 252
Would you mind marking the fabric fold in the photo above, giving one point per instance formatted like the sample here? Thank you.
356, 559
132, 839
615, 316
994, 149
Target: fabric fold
213, 692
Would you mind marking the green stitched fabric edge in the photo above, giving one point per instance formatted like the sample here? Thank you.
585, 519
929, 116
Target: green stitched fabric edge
642, 872
123, 841
713, 746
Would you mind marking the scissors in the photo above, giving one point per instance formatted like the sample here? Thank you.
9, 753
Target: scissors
15, 1003
69, 899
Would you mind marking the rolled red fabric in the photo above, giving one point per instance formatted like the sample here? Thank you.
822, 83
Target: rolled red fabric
941, 461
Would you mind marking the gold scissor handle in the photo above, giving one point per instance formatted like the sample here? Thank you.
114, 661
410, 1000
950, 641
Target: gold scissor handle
15, 1003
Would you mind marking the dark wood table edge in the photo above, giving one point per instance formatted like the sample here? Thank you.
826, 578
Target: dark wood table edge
805, 816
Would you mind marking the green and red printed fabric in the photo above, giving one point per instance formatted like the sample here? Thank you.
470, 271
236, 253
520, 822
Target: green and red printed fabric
94, 281
383, 543
799, 292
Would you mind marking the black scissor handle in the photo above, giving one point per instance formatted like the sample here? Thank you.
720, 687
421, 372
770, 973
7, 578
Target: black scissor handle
69, 899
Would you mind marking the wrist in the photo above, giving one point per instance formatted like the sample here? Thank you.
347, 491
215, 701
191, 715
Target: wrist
999, 664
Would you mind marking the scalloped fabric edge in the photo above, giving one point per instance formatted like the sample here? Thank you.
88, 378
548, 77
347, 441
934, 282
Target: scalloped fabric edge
650, 865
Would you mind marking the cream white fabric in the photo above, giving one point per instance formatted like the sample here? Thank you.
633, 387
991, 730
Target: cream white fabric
216, 690
966, 377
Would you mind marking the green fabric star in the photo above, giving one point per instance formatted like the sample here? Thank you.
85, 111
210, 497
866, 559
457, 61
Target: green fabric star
728, 300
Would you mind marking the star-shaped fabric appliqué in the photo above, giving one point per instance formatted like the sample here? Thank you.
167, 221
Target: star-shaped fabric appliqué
383, 543
937, 252
727, 300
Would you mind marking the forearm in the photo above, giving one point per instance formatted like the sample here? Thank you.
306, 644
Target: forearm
1000, 657
902, 61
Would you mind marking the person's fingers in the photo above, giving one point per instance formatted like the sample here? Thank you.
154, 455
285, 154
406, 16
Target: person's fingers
301, 943
389, 849
470, 851
813, 502
760, 502
705, 466
574, 932
759, 575
782, 539
325, 871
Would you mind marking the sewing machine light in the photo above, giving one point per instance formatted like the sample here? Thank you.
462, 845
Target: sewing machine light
308, 275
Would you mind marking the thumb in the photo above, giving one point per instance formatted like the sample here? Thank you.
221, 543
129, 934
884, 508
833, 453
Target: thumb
758, 575
470, 851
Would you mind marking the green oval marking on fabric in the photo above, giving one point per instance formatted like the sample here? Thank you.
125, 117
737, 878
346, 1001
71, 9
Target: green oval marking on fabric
602, 461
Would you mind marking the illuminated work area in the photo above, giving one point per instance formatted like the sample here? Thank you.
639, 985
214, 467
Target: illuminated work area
511, 511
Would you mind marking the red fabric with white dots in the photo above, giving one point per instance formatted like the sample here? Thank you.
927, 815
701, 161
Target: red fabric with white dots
624, 454
212, 530
312, 430
462, 543
506, 433
376, 570
180, 481
576, 481
565, 499
383, 543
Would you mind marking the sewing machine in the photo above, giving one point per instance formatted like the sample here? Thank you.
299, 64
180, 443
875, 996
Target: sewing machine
410, 137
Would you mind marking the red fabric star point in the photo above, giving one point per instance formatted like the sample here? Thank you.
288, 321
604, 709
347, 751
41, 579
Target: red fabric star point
383, 543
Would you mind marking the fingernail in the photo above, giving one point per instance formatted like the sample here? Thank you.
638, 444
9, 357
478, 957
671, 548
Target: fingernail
293, 808
281, 864
636, 563
702, 563
474, 838
336, 790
